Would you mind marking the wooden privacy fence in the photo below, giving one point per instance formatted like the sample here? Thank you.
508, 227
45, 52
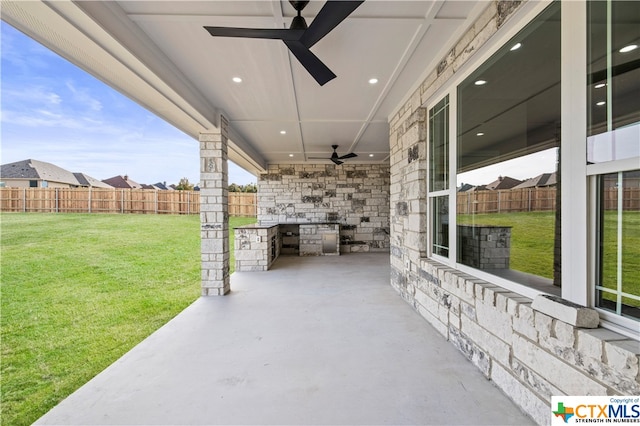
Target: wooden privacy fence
533, 200
114, 200
243, 204
512, 200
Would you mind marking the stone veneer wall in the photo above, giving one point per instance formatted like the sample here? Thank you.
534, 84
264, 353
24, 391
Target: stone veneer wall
528, 354
355, 196
256, 248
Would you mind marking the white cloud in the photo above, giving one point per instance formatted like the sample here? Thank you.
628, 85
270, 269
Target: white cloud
81, 95
30, 94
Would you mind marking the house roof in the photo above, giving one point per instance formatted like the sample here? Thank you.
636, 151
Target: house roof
545, 179
34, 169
163, 186
86, 180
503, 182
120, 181
41, 170
465, 187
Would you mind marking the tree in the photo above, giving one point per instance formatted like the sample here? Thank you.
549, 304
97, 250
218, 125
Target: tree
184, 185
251, 187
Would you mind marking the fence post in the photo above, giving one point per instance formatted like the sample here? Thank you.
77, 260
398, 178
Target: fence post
24, 200
89, 206
156, 193
122, 201
57, 203
188, 203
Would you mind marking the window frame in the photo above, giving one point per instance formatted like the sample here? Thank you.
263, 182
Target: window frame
432, 195
579, 233
611, 320
527, 13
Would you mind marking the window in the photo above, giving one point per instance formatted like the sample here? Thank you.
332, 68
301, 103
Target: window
439, 177
618, 287
508, 141
613, 151
33, 184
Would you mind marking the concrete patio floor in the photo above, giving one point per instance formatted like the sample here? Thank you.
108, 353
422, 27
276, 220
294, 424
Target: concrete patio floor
316, 340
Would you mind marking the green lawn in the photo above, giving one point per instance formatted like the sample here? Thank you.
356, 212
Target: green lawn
531, 238
80, 290
532, 245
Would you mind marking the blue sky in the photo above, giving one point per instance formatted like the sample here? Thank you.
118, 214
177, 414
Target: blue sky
53, 111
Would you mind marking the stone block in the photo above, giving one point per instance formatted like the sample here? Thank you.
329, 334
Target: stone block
563, 310
493, 346
524, 322
540, 385
543, 325
500, 323
473, 353
530, 403
559, 373
564, 333
513, 304
590, 342
468, 310
623, 356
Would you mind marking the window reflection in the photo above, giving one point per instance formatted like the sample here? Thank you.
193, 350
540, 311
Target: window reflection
613, 92
508, 147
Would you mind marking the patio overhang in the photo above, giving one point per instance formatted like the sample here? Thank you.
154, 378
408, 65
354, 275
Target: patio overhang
158, 54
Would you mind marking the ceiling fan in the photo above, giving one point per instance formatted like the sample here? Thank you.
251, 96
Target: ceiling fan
299, 38
334, 157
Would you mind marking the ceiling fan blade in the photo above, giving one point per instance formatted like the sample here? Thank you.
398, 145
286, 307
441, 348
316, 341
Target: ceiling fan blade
268, 33
338, 162
350, 155
331, 14
312, 64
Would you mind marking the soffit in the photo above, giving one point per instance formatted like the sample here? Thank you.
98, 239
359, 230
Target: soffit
140, 47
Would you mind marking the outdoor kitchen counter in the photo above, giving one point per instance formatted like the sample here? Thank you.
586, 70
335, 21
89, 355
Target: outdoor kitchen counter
258, 245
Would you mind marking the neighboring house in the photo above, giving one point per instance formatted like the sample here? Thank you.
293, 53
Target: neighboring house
503, 182
543, 180
465, 187
162, 186
122, 182
39, 174
86, 180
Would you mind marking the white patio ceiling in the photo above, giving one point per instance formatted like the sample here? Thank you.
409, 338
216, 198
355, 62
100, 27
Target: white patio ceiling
157, 53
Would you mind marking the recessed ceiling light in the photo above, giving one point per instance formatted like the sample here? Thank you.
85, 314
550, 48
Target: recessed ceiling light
629, 48
373, 80
600, 103
600, 85
516, 46
290, 155
480, 82
283, 132
237, 80
480, 134
370, 155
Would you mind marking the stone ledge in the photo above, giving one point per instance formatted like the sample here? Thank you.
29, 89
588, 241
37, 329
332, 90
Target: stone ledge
563, 310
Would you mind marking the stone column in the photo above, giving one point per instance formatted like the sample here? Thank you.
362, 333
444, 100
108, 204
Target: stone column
214, 211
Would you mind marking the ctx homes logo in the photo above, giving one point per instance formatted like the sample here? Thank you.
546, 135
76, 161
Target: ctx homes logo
595, 409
